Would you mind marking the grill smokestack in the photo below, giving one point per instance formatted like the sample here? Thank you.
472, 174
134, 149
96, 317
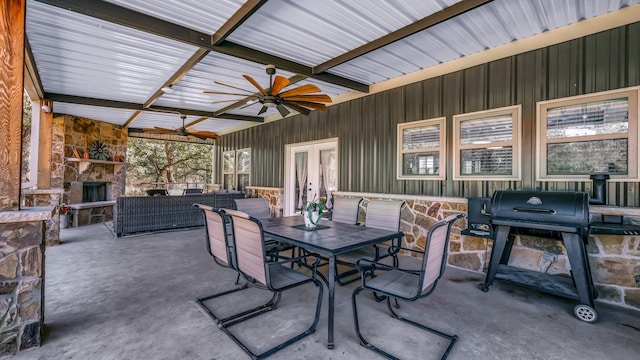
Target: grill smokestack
599, 189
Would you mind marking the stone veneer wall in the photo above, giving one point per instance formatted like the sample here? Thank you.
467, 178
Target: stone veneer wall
22, 278
46, 198
273, 195
614, 259
75, 133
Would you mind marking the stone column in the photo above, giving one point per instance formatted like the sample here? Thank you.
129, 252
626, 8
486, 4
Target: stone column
22, 278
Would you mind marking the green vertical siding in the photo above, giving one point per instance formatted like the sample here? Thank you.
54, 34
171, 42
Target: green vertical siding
366, 127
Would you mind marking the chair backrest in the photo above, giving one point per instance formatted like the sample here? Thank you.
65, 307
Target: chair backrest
249, 245
217, 235
345, 209
384, 214
436, 250
255, 207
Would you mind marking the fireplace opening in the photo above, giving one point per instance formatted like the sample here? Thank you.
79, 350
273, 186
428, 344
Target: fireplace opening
93, 191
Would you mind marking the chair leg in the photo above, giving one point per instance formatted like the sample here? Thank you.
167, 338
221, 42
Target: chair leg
452, 338
232, 319
308, 331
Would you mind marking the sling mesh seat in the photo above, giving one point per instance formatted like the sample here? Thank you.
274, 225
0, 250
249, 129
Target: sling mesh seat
259, 209
255, 267
408, 284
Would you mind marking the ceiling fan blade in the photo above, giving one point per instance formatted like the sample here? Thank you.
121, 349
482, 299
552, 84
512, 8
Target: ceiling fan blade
314, 98
312, 105
224, 93
203, 134
255, 83
298, 108
279, 83
282, 110
303, 89
264, 109
224, 101
233, 87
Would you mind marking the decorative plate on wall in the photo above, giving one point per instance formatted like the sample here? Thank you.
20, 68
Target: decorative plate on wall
99, 150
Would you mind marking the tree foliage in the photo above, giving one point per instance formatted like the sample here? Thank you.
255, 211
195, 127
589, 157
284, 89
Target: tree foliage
153, 161
26, 137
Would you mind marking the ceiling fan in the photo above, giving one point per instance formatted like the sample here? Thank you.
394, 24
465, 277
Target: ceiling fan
183, 131
301, 99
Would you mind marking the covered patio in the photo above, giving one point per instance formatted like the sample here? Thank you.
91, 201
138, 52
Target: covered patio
428, 103
117, 298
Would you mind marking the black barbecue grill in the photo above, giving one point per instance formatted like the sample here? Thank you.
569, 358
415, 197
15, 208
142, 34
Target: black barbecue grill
557, 214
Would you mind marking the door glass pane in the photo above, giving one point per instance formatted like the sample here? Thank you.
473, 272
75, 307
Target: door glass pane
301, 179
328, 172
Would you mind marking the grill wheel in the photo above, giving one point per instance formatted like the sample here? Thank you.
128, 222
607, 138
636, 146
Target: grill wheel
585, 313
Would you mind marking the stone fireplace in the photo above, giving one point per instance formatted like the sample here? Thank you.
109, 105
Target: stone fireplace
90, 186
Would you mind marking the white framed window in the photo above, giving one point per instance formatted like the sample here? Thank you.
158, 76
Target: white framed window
421, 150
228, 170
588, 134
487, 144
243, 169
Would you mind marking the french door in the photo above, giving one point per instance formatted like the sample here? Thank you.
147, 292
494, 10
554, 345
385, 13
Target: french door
311, 173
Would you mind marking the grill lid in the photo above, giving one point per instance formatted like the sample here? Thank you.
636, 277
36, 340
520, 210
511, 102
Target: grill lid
566, 211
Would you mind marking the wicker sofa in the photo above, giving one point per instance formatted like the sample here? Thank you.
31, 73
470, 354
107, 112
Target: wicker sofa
150, 213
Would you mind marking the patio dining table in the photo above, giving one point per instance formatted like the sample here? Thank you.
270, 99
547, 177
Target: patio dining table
330, 239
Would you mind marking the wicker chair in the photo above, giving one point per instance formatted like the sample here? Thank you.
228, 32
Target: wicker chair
219, 241
253, 264
381, 214
408, 284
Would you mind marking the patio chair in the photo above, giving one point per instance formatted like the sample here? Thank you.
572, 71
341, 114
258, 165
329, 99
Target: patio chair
219, 241
261, 273
381, 214
408, 284
345, 210
259, 209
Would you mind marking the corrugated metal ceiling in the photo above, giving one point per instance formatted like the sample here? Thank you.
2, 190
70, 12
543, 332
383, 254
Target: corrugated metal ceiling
82, 56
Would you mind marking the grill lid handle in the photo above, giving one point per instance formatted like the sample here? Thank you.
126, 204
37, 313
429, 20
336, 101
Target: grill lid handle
534, 210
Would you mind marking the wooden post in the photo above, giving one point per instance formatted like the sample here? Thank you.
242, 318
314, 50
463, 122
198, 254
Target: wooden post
44, 145
12, 19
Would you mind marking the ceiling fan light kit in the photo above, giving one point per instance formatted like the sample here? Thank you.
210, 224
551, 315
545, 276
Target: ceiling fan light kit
302, 99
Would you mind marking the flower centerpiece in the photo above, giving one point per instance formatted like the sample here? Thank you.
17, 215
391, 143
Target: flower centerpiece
312, 213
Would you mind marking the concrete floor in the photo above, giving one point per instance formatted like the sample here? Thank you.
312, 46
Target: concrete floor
134, 298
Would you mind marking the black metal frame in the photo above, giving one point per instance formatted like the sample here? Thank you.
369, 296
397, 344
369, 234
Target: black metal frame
277, 293
368, 268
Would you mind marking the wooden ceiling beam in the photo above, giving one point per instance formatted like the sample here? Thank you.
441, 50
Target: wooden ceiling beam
422, 24
246, 10
71, 99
